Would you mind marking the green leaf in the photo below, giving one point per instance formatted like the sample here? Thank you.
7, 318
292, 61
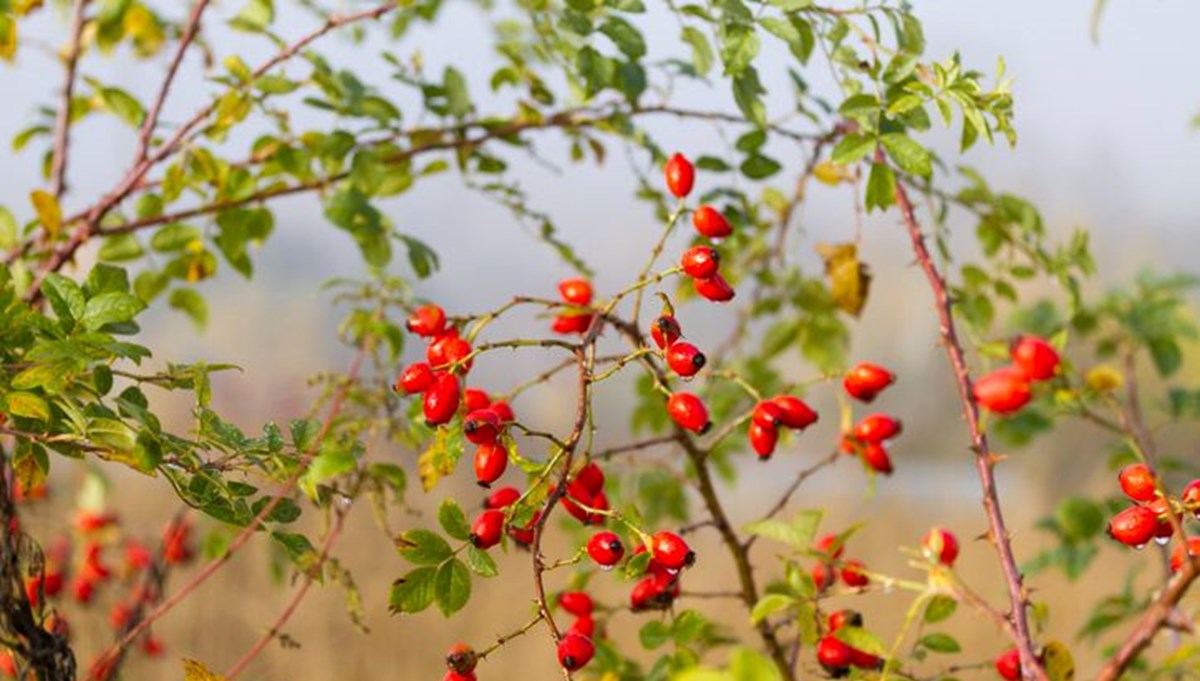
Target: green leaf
769, 605
859, 638
1166, 354
123, 105
1079, 518
65, 296
627, 38
759, 167
940, 608
747, 92
481, 563
254, 16
739, 47
702, 54
653, 634
791, 5
881, 187
110, 308
424, 260
940, 643
423, 547
350, 210
908, 154
27, 405
413, 592
798, 533
458, 98
192, 304
852, 148
120, 248
173, 237
453, 520
453, 587
8, 229
750, 665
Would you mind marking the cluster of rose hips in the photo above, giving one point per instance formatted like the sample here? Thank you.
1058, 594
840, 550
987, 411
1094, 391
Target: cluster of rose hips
1149, 518
1009, 388
837, 656
868, 437
830, 549
576, 292
701, 263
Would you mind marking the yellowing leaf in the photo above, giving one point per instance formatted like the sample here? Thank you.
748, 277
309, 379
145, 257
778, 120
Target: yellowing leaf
1104, 378
849, 279
48, 211
8, 37
831, 173
1060, 665
195, 671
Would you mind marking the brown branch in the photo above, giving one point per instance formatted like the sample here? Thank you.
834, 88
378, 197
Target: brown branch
62, 120
803, 475
1031, 669
309, 577
1153, 619
190, 30
633, 446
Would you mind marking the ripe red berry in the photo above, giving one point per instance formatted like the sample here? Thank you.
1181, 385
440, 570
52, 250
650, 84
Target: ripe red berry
864, 660
416, 378
576, 498
685, 359
688, 412
575, 291
1134, 526
438, 352
854, 575
701, 262
441, 400
671, 550
709, 222
877, 428
583, 626
571, 323
481, 426
844, 618
875, 455
474, 398
1008, 665
577, 603
1137, 482
865, 380
575, 651
487, 529
1003, 391
523, 536
833, 655
503, 410
427, 320
457, 350
1035, 358
491, 459
665, 331
653, 592
823, 576
605, 548
831, 545
767, 414
1191, 497
461, 658
797, 415
502, 498
83, 589
1193, 549
680, 175
715, 288
452, 675
1162, 509
941, 545
763, 439
591, 477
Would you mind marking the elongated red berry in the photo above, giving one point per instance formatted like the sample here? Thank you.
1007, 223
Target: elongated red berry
578, 603
767, 414
680, 175
823, 576
797, 415
600, 503
582, 626
571, 323
665, 331
864, 660
763, 439
491, 459
833, 655
456, 352
1137, 482
502, 498
875, 455
481, 426
591, 477
474, 398
653, 592
575, 291
709, 222
416, 378
575, 651
503, 410
685, 359
1035, 358
461, 658
523, 536
441, 400
844, 618
1134, 526
854, 574
1008, 665
427, 320
671, 550
715, 288
688, 412
1193, 549
605, 548
877, 428
576, 495
1003, 391
940, 545
487, 529
866, 380
701, 262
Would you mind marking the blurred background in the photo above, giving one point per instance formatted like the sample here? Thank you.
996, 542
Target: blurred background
1105, 143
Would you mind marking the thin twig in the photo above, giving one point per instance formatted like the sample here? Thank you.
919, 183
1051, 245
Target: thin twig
62, 120
146, 135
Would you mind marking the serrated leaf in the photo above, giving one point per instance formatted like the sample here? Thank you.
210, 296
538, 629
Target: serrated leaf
113, 307
852, 148
908, 154
423, 547
413, 592
452, 587
769, 605
453, 520
481, 563
881, 187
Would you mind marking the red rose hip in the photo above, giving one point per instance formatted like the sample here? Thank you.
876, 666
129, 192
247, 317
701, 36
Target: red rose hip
866, 380
491, 460
575, 651
1003, 391
796, 414
709, 222
940, 545
671, 551
441, 400
427, 320
665, 331
688, 412
605, 548
575, 291
680, 175
715, 288
700, 262
1137, 482
1037, 359
416, 378
763, 439
685, 359
487, 529
1134, 526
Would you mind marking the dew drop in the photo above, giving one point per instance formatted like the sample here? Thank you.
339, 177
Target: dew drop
1138, 547
1162, 541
